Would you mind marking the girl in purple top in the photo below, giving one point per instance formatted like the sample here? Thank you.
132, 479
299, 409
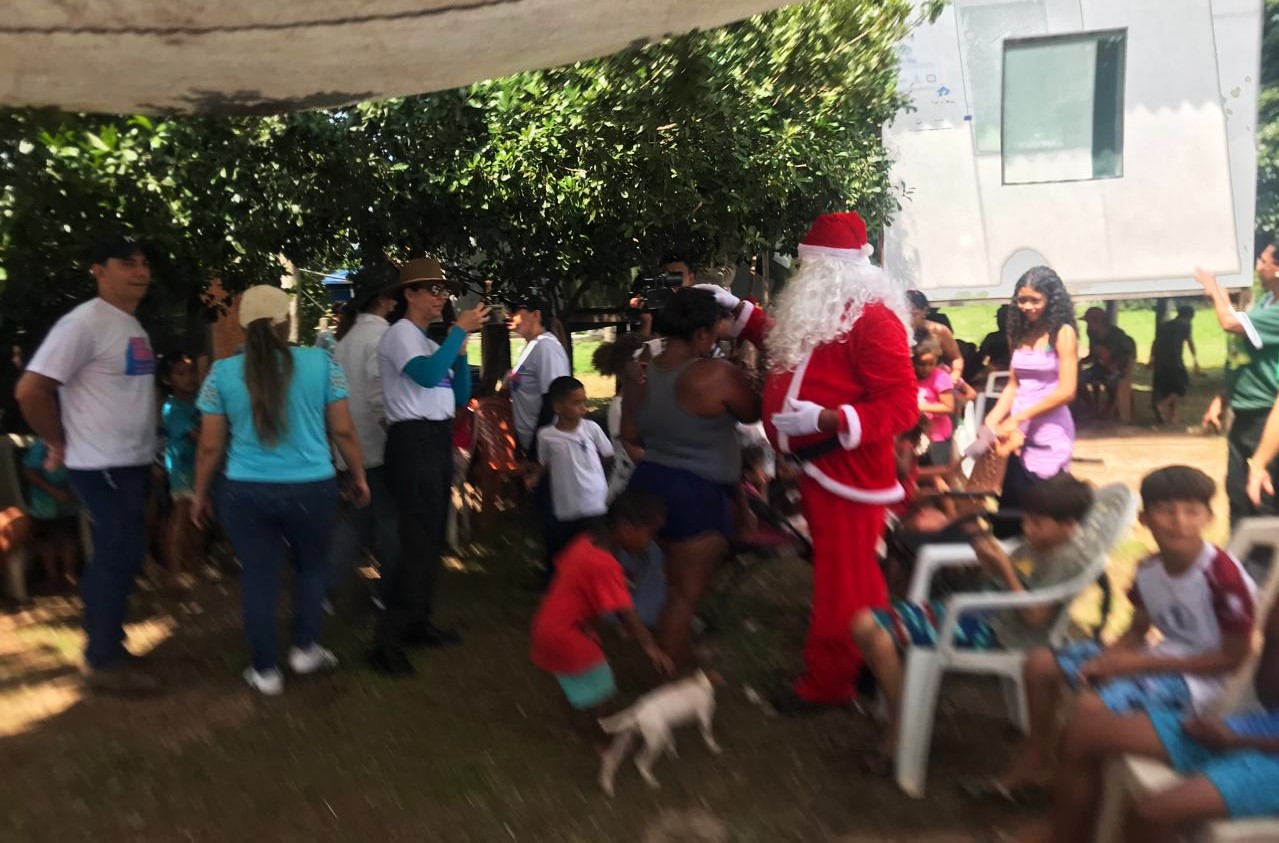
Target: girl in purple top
1032, 416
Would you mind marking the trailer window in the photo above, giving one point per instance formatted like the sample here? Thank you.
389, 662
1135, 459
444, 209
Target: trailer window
1063, 108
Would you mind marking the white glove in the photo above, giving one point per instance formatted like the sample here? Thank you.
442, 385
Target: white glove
723, 297
801, 418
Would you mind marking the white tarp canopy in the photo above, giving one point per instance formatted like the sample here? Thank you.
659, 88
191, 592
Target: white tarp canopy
270, 56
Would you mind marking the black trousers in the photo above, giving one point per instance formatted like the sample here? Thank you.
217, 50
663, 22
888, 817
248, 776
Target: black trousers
1245, 435
419, 474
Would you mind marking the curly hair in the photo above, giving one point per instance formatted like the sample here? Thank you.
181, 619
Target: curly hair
1059, 311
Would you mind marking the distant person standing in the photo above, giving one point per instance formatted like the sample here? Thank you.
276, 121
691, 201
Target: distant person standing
89, 393
423, 384
360, 331
1169, 379
1252, 380
540, 363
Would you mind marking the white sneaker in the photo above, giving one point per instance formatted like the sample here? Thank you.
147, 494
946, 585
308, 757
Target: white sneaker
311, 659
268, 683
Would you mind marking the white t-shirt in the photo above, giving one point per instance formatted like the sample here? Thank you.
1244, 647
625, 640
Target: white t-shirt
102, 357
1193, 610
578, 487
403, 398
542, 361
357, 354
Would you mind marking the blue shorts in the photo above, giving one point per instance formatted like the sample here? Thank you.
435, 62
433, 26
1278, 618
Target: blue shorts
1248, 781
1126, 693
590, 688
694, 505
911, 624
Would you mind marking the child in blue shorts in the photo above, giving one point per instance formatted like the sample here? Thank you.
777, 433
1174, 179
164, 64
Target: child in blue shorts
1230, 767
589, 584
1061, 520
1196, 595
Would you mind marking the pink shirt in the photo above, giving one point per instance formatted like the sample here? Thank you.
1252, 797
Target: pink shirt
931, 389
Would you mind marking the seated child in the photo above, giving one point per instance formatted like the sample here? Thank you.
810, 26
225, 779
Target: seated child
55, 518
936, 400
588, 585
571, 450
1196, 595
1060, 521
1231, 766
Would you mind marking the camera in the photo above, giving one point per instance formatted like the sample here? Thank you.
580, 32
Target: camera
654, 289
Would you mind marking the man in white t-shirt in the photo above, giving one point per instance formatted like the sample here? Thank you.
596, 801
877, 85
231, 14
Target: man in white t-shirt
89, 393
423, 382
376, 526
541, 362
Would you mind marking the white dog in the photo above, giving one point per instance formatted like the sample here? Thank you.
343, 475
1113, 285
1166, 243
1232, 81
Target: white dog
654, 716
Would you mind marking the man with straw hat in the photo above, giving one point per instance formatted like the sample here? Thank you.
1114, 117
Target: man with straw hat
423, 382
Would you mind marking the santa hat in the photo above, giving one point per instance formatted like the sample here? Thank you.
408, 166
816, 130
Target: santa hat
840, 236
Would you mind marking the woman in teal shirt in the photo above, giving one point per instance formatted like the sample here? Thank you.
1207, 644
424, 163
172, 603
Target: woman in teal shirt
280, 406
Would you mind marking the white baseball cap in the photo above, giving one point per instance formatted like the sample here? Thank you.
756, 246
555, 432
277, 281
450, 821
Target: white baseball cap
264, 302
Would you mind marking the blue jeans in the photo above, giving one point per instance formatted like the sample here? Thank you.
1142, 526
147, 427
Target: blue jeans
117, 502
376, 525
261, 519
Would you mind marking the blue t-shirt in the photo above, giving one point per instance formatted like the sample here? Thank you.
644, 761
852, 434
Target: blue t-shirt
43, 505
302, 454
179, 418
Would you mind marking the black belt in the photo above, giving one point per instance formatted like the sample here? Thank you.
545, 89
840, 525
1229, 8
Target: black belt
808, 453
431, 422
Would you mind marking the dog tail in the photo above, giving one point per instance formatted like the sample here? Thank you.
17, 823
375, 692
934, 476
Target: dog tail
619, 722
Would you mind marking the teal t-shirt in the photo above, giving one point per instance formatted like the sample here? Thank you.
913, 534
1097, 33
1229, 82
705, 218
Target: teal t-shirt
1252, 360
179, 419
302, 455
41, 504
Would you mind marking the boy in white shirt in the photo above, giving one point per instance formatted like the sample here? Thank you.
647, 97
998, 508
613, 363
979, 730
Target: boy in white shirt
1199, 598
572, 451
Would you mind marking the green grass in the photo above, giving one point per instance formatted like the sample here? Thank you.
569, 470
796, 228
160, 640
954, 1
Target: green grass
973, 322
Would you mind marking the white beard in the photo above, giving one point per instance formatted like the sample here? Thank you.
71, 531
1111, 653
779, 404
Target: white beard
821, 303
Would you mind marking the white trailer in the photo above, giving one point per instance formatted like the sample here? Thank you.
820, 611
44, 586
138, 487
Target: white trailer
1113, 140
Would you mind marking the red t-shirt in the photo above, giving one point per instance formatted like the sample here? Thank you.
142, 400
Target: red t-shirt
588, 583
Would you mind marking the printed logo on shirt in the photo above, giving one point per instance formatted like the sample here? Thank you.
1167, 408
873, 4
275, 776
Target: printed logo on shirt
138, 359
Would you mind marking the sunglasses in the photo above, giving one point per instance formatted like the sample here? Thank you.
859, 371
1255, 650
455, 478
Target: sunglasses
432, 288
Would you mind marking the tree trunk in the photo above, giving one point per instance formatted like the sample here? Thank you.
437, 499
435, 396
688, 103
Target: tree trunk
495, 356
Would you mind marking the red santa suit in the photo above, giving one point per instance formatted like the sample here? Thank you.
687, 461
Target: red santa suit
838, 340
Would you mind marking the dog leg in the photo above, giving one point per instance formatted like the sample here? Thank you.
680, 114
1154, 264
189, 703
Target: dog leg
644, 760
612, 759
704, 718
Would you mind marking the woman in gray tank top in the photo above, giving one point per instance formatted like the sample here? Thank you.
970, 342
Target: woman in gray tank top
679, 424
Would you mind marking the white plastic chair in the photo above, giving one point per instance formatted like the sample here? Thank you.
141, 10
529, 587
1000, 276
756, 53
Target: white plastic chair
995, 383
1131, 776
1113, 512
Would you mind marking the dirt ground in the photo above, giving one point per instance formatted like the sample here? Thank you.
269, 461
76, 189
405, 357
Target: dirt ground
474, 748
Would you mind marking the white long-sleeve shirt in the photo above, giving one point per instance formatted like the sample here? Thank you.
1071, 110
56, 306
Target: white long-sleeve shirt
356, 353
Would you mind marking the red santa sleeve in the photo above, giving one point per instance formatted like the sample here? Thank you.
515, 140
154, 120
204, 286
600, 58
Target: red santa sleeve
881, 358
750, 324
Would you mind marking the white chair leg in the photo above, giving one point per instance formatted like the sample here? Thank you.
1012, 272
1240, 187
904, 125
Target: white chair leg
15, 565
1114, 795
1015, 702
919, 704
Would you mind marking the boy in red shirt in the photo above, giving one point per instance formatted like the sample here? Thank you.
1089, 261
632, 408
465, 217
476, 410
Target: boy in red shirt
589, 583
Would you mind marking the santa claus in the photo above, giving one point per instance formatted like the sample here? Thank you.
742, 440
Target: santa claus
840, 388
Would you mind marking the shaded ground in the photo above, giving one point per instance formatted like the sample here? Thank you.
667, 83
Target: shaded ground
473, 748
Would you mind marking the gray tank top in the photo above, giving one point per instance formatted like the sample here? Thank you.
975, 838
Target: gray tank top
675, 438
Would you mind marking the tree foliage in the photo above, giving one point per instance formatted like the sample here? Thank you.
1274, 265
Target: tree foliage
1268, 126
715, 144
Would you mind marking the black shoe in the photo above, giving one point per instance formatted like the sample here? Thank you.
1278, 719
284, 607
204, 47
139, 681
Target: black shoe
390, 662
430, 635
787, 702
